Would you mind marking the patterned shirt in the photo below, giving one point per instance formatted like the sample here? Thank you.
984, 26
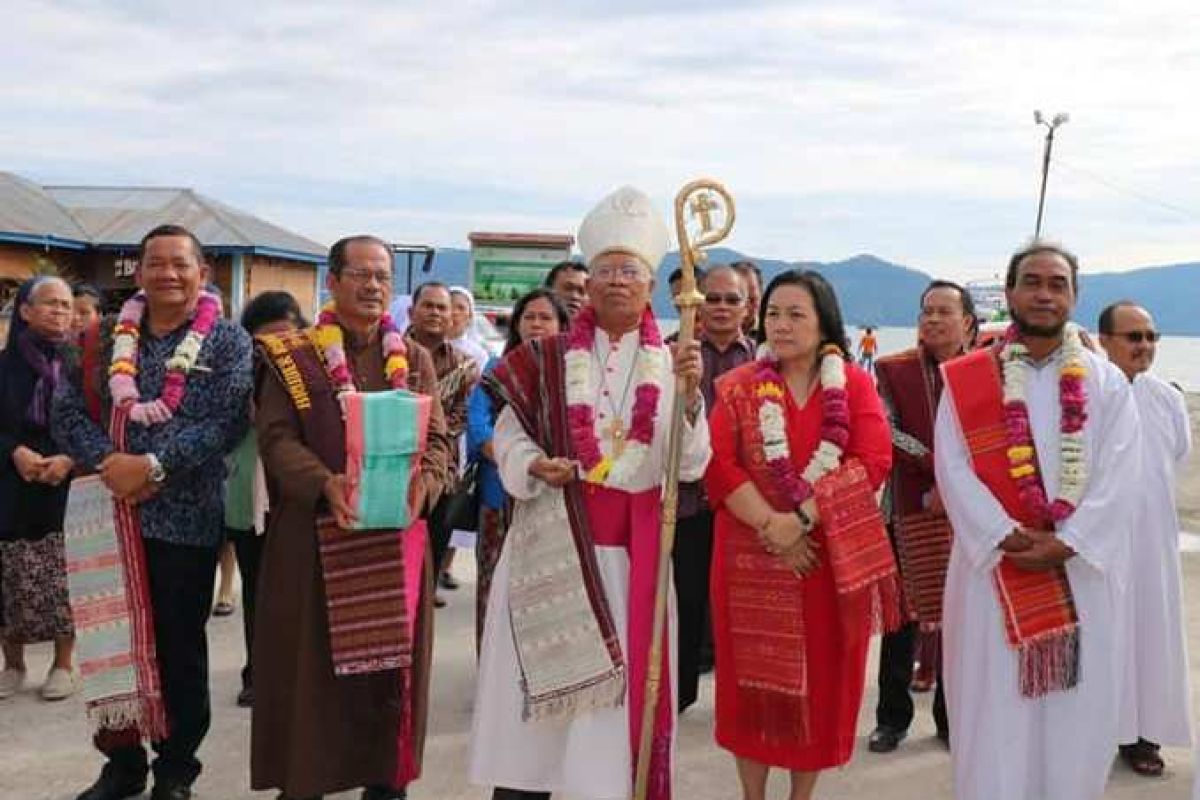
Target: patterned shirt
192, 445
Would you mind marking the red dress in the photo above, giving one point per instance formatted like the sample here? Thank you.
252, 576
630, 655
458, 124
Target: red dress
836, 667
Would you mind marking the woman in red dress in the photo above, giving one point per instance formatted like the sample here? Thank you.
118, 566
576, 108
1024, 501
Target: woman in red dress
793, 608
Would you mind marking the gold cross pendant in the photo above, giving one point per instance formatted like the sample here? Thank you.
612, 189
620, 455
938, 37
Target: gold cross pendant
616, 432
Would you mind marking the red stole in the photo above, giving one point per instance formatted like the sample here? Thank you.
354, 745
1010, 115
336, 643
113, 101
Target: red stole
1040, 620
765, 597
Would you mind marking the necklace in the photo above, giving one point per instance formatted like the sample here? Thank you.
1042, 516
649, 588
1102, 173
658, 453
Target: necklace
330, 339
616, 427
631, 447
835, 424
1072, 398
123, 368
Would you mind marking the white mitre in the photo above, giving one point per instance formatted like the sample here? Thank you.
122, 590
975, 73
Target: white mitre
625, 221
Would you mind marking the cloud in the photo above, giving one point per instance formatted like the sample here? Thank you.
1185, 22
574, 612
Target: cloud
902, 129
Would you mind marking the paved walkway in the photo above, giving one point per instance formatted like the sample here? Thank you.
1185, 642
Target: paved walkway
44, 751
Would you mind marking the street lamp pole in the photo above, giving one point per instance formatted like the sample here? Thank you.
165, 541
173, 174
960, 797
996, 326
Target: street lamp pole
1051, 126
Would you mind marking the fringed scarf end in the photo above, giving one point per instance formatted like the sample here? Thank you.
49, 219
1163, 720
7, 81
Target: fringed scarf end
609, 692
1049, 663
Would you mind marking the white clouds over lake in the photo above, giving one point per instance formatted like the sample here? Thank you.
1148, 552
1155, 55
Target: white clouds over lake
902, 129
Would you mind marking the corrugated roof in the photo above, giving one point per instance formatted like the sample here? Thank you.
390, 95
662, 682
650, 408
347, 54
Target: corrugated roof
554, 240
26, 210
117, 215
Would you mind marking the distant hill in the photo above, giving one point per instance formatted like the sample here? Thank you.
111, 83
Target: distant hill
873, 291
1170, 293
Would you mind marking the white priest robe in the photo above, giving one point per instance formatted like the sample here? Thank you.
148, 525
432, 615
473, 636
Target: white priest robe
589, 756
1156, 697
1004, 746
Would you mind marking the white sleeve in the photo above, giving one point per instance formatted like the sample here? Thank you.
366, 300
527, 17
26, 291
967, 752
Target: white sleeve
980, 523
1099, 528
515, 451
697, 448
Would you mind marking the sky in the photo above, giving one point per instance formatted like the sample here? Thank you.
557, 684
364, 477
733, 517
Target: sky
902, 129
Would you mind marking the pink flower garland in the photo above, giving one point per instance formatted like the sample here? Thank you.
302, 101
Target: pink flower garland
123, 371
1021, 452
328, 336
835, 429
581, 415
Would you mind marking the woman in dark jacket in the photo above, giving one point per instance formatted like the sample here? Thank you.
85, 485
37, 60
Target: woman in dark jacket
34, 480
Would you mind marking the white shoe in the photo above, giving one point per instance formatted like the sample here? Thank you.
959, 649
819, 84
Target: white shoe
11, 681
60, 684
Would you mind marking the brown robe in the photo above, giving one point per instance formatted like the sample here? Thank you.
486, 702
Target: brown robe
314, 733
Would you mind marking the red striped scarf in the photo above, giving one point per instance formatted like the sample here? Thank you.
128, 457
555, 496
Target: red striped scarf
1040, 619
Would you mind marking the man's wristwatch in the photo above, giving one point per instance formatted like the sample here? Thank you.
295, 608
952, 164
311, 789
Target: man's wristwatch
157, 473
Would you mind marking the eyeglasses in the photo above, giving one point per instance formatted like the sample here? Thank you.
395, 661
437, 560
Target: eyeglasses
1137, 337
359, 275
729, 299
627, 272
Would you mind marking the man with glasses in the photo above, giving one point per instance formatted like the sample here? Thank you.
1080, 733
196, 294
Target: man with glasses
723, 346
336, 710
581, 447
1155, 700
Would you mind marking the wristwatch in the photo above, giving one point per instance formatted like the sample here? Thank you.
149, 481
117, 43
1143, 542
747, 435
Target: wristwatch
157, 473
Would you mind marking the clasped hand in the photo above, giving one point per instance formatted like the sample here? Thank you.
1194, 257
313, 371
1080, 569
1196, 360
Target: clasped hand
785, 536
556, 472
1035, 550
34, 467
127, 476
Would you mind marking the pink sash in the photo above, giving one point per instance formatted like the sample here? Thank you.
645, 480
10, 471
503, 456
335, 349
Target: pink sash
632, 521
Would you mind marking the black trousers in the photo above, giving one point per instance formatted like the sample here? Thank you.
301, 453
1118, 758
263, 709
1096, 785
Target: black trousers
181, 590
249, 546
500, 793
439, 533
895, 707
692, 560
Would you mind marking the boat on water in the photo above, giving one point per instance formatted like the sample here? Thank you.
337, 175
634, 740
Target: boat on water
990, 304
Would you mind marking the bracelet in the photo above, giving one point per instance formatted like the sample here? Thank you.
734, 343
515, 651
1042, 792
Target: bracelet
804, 518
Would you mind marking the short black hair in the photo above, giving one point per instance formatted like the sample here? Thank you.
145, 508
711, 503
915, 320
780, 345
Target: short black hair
1038, 247
749, 268
337, 253
1105, 323
559, 268
829, 313
88, 290
171, 230
968, 302
541, 293
271, 306
677, 275
416, 295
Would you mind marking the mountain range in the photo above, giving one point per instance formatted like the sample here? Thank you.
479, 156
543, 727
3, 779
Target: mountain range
873, 291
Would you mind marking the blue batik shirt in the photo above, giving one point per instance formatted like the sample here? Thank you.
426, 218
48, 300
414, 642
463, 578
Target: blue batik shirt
192, 445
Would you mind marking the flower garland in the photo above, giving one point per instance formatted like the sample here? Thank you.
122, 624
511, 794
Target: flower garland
581, 392
331, 341
1072, 398
835, 424
123, 368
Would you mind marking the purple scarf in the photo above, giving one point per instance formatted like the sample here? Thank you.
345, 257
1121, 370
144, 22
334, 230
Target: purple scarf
43, 357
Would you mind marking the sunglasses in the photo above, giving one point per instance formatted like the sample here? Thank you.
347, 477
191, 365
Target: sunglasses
729, 299
1137, 337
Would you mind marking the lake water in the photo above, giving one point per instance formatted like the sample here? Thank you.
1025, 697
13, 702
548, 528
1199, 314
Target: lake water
1178, 357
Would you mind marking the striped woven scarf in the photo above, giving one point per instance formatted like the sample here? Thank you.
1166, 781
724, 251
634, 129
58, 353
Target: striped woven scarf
110, 604
364, 570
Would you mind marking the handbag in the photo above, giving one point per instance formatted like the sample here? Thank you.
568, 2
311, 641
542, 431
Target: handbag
462, 506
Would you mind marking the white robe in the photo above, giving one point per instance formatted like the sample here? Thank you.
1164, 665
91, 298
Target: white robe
1156, 696
1060, 746
590, 756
